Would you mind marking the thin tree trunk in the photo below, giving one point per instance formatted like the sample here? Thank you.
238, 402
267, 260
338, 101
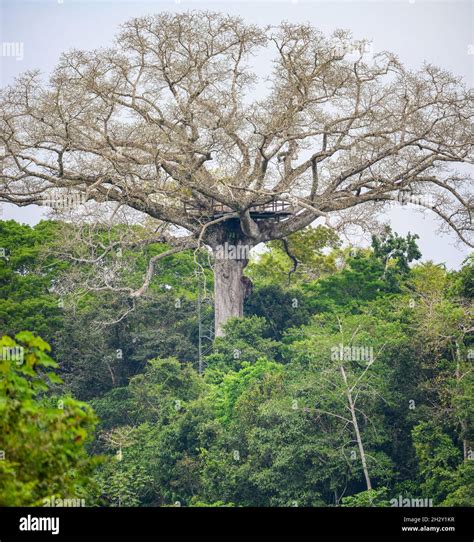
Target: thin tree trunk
356, 429
112, 374
465, 443
229, 291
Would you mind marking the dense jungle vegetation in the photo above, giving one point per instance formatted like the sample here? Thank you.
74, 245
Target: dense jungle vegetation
348, 383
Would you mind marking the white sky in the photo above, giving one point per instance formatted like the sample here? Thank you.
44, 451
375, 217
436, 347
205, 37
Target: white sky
439, 32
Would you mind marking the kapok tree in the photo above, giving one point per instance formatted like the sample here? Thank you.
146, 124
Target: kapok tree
174, 123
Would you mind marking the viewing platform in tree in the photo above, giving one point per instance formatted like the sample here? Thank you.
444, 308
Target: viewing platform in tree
212, 210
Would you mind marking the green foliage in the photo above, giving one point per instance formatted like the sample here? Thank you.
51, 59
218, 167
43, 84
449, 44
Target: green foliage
217, 504
282, 308
244, 341
371, 497
42, 438
443, 476
395, 252
235, 383
275, 268
461, 488
269, 422
162, 389
125, 477
463, 280
115, 409
26, 280
366, 275
112, 354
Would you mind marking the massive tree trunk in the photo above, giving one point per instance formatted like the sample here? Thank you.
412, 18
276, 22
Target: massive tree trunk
229, 290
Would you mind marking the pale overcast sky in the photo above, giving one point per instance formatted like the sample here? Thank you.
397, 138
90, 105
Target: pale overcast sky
438, 32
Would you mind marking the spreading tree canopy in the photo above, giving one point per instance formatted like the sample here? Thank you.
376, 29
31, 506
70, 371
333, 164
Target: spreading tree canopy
173, 121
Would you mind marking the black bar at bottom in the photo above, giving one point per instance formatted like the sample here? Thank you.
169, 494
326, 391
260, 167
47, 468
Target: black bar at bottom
241, 523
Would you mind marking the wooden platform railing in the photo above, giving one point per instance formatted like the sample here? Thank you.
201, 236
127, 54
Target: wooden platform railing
216, 208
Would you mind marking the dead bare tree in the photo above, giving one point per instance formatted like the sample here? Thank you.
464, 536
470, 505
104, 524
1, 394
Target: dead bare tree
165, 123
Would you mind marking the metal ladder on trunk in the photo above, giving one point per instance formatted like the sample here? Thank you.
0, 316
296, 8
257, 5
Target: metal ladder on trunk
205, 299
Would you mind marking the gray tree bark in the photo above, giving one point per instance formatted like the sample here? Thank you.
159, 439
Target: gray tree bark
356, 429
229, 291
